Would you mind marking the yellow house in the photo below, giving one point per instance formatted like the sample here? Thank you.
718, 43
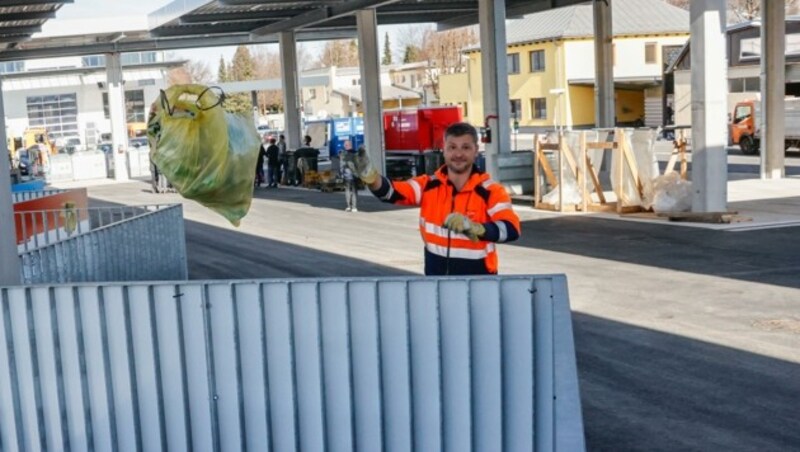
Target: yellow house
551, 68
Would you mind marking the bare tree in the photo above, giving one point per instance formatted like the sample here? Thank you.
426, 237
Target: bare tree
410, 41
443, 52
742, 10
268, 66
679, 3
341, 53
191, 72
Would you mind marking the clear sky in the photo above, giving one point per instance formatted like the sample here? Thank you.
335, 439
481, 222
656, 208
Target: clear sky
86, 9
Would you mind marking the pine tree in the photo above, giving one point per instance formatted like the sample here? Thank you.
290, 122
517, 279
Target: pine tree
241, 68
222, 72
387, 51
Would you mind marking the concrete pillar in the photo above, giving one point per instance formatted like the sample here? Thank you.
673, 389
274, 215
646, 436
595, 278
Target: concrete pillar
494, 74
118, 114
773, 89
254, 101
369, 64
603, 65
709, 106
291, 95
9, 258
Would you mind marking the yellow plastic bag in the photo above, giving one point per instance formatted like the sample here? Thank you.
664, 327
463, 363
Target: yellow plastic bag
207, 154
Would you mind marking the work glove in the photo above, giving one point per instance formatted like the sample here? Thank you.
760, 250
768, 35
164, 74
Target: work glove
364, 169
459, 223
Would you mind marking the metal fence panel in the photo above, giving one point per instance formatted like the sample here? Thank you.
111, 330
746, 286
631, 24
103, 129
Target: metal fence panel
396, 364
21, 196
132, 243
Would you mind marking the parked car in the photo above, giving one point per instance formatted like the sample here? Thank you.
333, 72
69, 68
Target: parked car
136, 143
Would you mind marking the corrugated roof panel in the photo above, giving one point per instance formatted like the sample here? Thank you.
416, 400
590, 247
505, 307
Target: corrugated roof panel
629, 17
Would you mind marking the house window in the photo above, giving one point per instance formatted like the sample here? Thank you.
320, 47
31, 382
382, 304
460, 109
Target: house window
516, 108
650, 52
12, 66
93, 61
537, 61
752, 85
539, 108
513, 63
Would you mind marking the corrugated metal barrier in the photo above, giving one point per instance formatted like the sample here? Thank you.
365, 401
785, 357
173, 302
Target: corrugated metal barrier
29, 195
401, 364
126, 243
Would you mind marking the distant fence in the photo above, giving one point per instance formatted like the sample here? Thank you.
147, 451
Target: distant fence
22, 196
400, 364
127, 243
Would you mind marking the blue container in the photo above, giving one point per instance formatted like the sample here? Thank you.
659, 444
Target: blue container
33, 185
329, 135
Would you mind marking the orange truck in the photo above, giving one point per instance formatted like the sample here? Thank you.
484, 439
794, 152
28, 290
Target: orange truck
745, 125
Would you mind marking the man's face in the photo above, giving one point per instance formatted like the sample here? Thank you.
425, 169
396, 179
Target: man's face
460, 153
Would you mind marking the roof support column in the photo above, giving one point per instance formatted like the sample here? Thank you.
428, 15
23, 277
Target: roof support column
118, 115
773, 89
370, 69
9, 258
603, 65
494, 72
291, 100
709, 106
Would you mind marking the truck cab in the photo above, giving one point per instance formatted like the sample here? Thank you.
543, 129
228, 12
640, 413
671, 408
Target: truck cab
743, 130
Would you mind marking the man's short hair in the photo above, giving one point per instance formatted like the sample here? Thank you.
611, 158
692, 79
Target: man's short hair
272, 141
281, 137
460, 129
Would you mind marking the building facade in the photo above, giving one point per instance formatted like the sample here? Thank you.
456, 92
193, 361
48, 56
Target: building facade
744, 67
550, 62
69, 96
339, 92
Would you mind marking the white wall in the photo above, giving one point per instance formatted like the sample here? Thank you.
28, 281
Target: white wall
629, 61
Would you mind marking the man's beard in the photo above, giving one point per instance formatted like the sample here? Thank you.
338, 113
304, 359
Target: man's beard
455, 167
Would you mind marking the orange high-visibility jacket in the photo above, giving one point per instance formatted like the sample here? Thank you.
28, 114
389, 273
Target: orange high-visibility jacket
481, 200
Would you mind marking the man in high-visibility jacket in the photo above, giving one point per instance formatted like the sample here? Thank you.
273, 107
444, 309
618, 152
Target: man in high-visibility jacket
463, 212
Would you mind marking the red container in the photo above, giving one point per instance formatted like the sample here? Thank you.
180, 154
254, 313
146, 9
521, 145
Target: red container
418, 130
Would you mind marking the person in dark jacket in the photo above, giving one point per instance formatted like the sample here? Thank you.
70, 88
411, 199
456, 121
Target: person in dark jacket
262, 153
306, 158
273, 164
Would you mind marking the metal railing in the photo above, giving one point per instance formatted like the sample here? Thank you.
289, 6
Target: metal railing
30, 195
126, 243
429, 364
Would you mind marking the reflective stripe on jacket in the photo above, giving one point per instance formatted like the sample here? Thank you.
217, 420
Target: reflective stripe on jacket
482, 200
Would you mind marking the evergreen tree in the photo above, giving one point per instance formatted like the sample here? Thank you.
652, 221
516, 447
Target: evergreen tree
222, 71
387, 51
411, 54
241, 68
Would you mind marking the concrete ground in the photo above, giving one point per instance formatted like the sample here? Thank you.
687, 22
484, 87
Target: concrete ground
687, 338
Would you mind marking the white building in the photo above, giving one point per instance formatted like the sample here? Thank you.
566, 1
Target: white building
69, 95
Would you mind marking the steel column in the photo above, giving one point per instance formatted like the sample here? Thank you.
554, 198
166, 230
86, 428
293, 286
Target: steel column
371, 86
709, 106
773, 89
494, 70
291, 99
604, 112
9, 261
118, 114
